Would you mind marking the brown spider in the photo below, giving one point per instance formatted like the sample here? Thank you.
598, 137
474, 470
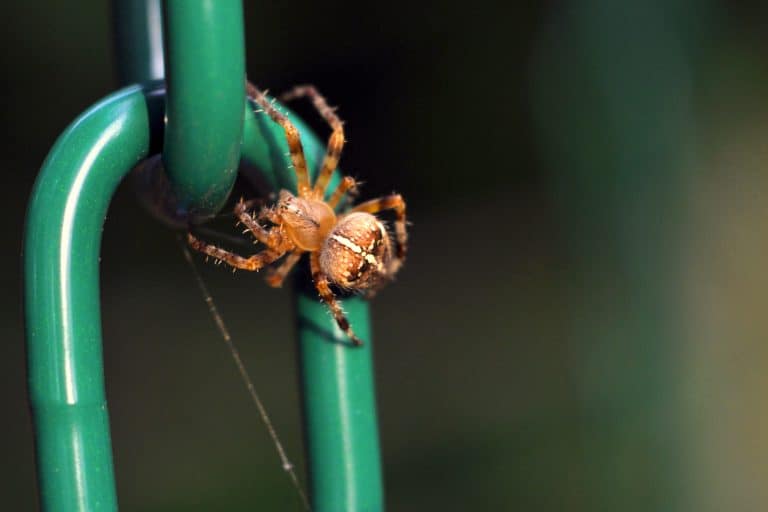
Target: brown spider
351, 250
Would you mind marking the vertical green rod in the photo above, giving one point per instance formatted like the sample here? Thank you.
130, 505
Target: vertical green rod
340, 422
138, 33
61, 265
339, 409
205, 75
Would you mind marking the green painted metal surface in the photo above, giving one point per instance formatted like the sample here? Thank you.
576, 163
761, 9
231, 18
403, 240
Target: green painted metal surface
337, 379
205, 75
61, 256
138, 26
63, 322
339, 409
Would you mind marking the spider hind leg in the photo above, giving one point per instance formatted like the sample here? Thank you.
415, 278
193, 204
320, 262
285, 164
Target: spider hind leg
326, 295
397, 203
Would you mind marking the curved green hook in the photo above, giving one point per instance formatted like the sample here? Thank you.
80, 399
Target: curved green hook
61, 254
61, 257
66, 377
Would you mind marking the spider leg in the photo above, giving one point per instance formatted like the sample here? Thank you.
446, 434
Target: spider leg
392, 202
335, 141
291, 135
346, 184
276, 276
272, 238
253, 263
251, 204
324, 289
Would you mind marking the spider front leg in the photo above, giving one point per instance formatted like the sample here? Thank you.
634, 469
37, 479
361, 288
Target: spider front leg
295, 149
324, 289
270, 238
335, 141
253, 263
392, 202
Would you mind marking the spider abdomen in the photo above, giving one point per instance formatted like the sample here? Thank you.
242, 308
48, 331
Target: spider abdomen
356, 252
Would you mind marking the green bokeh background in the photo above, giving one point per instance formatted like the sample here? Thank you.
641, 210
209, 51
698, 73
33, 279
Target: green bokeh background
581, 322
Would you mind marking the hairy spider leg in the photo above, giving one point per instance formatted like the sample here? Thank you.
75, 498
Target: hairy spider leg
323, 288
392, 202
276, 276
335, 141
268, 213
253, 263
251, 204
347, 183
272, 238
295, 149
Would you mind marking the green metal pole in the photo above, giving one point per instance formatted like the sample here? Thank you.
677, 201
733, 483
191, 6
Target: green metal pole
62, 239
63, 233
339, 409
138, 30
61, 257
205, 76
337, 379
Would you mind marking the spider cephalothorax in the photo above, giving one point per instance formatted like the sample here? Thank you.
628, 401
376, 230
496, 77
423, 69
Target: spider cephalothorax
352, 250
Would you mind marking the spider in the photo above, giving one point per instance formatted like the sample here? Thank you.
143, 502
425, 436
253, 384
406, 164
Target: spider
351, 250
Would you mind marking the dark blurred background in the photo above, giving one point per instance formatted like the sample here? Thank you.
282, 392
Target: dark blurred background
581, 324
